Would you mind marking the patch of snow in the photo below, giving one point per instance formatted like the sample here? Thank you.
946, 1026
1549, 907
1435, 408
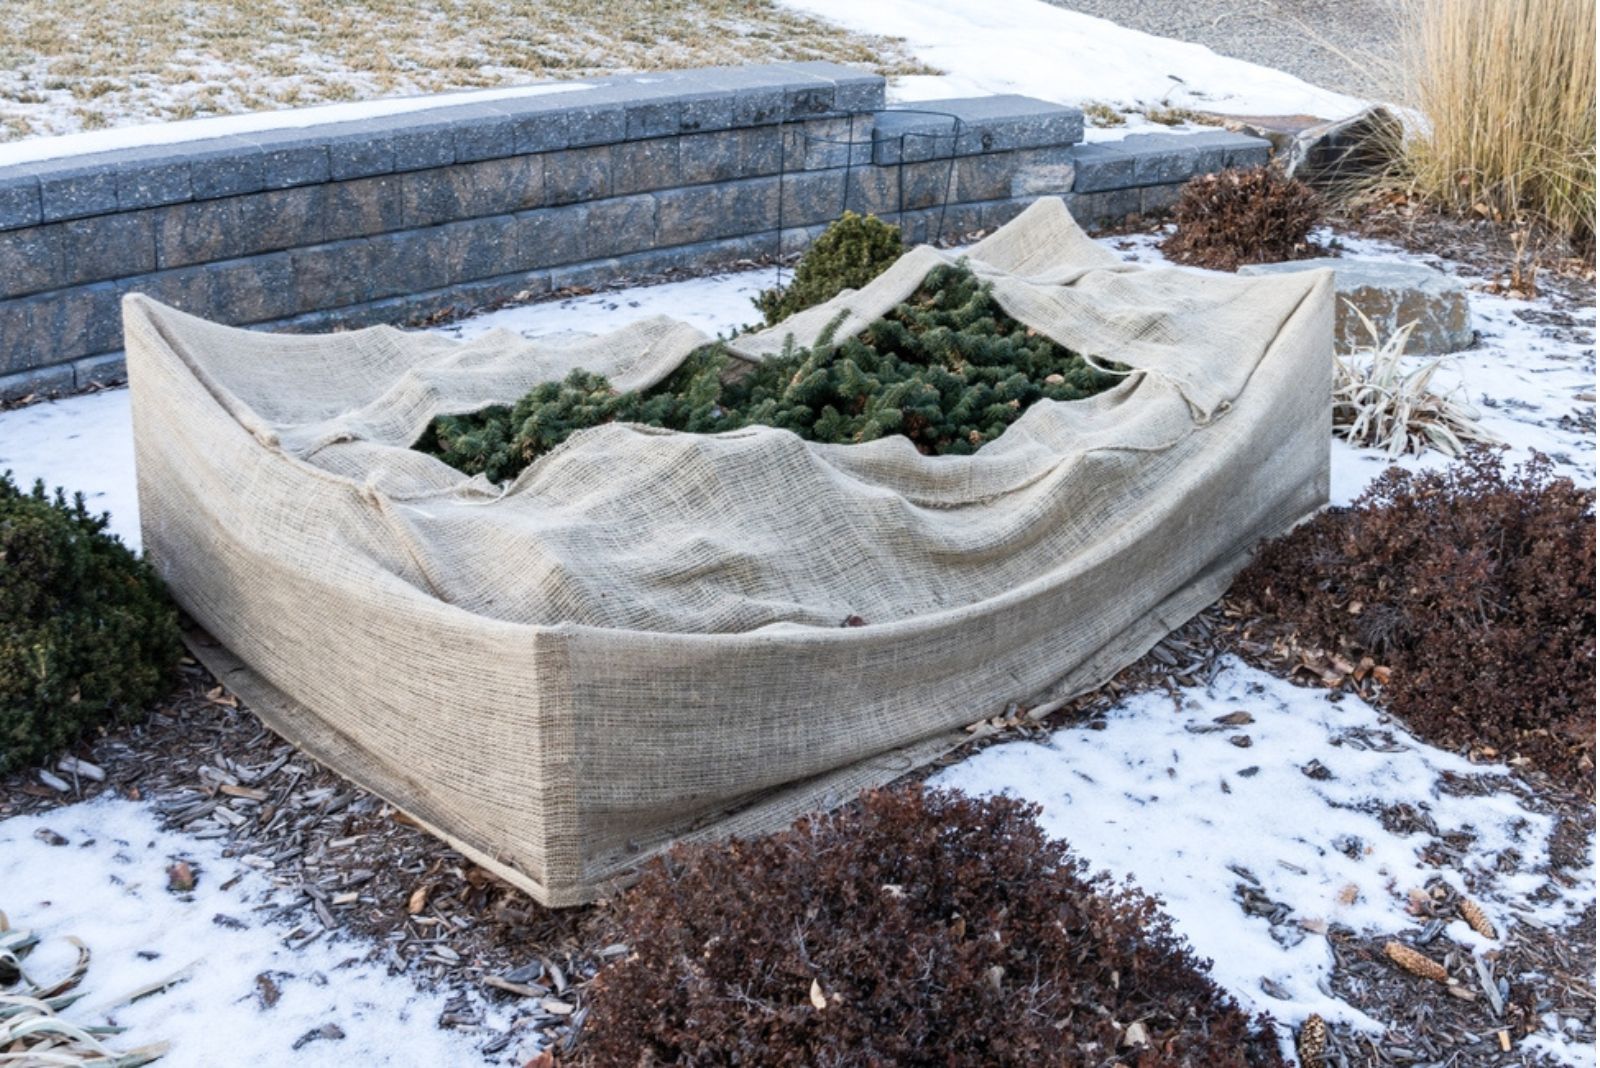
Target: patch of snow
1163, 795
35, 149
1526, 377
1049, 52
83, 444
108, 887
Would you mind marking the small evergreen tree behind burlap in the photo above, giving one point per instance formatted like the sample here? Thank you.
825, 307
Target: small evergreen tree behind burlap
851, 252
946, 368
86, 632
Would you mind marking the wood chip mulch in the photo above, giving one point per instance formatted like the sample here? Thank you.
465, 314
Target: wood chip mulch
349, 866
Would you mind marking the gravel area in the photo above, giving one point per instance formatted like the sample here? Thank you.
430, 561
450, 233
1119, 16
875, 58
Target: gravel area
1350, 46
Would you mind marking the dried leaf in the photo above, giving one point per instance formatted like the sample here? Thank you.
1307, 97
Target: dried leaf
818, 1000
418, 900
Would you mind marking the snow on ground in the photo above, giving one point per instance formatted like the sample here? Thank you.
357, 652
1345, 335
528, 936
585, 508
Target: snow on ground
1532, 383
83, 444
107, 885
1164, 795
1036, 49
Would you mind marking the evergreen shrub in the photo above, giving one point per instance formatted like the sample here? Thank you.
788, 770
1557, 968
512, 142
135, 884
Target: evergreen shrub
914, 929
87, 634
946, 368
851, 252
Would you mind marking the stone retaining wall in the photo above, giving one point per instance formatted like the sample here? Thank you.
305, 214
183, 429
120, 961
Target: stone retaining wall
387, 219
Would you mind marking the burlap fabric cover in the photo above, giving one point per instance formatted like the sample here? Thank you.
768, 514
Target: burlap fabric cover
640, 638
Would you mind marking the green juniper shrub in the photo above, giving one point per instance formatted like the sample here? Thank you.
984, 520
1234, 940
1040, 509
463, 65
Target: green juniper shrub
1235, 217
916, 928
851, 252
86, 631
947, 369
1473, 586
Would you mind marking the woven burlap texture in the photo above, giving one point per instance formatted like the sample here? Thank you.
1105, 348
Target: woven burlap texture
639, 639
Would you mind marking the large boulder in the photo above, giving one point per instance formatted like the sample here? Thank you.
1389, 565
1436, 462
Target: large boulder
1391, 294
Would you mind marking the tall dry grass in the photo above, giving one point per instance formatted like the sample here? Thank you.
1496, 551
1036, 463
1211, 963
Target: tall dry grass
1507, 88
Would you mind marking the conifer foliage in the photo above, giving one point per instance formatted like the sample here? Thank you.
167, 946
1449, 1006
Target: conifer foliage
851, 252
946, 368
86, 632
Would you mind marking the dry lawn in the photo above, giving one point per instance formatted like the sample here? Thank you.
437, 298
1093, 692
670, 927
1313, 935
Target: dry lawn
70, 65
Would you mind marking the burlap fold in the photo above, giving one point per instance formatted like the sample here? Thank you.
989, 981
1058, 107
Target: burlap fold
639, 638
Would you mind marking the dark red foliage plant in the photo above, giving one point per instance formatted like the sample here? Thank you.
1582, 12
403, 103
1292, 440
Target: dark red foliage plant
1235, 217
914, 928
1474, 586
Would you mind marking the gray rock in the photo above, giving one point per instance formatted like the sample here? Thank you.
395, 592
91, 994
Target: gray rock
1391, 294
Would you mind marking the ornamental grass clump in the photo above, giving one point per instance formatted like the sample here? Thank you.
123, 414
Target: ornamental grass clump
87, 634
1235, 217
1474, 587
947, 369
913, 929
851, 252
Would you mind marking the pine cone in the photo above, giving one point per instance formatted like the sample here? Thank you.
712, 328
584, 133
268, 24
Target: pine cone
1313, 1042
1416, 963
1476, 919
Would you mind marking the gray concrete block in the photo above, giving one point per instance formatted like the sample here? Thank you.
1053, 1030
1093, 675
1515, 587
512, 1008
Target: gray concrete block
548, 236
591, 274
873, 190
705, 111
409, 261
620, 225
107, 246
597, 121
986, 177
1100, 167
576, 174
86, 320
1157, 200
928, 184
31, 260
1159, 159
226, 167
106, 369
27, 334
1042, 172
987, 124
687, 216
51, 381
756, 92
640, 166
331, 275
760, 151
73, 188
709, 157
292, 157
363, 207
854, 89
906, 135
538, 123
197, 232
818, 144
471, 190
481, 132
999, 212
421, 139
19, 197
359, 149
1110, 207
282, 218
480, 248
808, 197
149, 177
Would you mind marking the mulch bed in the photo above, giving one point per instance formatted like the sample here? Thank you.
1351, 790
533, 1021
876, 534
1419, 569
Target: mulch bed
353, 867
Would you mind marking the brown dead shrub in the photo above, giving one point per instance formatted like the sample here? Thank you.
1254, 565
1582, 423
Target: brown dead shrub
1235, 217
917, 928
1475, 586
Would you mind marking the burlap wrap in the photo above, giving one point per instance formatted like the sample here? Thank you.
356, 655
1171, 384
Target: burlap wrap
639, 639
